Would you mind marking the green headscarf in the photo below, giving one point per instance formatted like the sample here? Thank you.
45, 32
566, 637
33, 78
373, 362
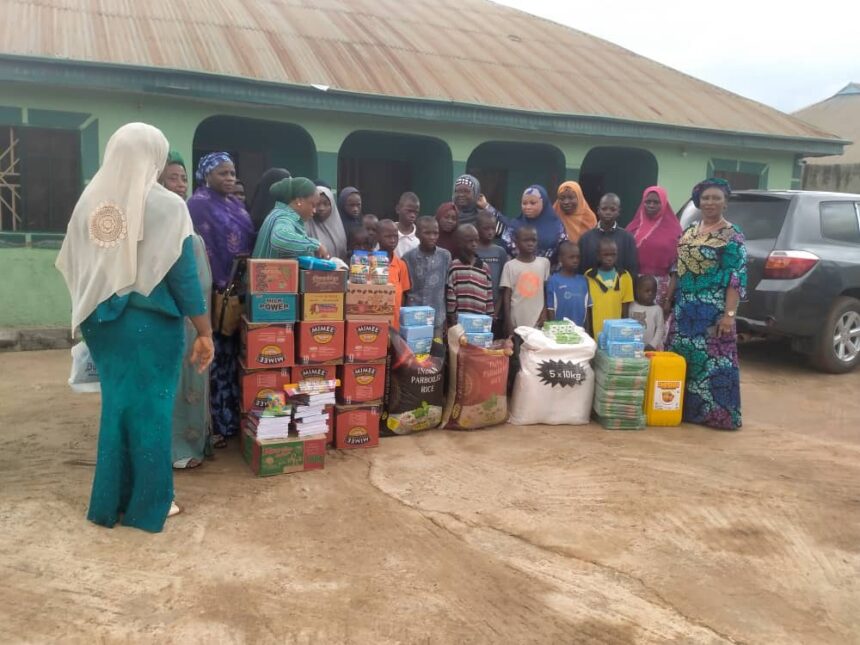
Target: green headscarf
174, 157
286, 190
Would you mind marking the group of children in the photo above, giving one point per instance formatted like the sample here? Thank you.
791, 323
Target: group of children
479, 277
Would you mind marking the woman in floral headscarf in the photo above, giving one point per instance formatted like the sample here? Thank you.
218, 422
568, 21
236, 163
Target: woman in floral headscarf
712, 279
226, 228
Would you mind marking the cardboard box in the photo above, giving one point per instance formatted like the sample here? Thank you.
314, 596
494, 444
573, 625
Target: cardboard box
257, 384
313, 373
321, 342
356, 426
370, 302
271, 307
366, 342
267, 345
322, 306
361, 383
475, 323
417, 316
418, 332
420, 346
322, 281
277, 457
484, 340
272, 276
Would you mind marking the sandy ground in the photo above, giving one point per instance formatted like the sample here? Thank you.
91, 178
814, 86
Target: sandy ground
514, 535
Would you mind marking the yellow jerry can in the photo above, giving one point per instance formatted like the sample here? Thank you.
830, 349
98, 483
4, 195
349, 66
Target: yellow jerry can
664, 398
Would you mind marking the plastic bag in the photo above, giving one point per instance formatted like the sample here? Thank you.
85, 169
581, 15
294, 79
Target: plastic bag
415, 393
621, 381
555, 382
477, 383
629, 366
84, 377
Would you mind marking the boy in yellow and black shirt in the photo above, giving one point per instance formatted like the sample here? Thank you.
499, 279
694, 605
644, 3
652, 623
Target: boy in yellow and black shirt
611, 290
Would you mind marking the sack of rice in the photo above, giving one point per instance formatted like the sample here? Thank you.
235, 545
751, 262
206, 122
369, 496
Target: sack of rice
415, 393
477, 382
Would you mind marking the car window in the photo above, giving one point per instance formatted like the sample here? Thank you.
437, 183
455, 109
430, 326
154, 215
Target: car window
760, 218
839, 222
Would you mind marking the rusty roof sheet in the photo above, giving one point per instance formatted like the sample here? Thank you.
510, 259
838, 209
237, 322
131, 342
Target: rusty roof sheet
840, 114
468, 51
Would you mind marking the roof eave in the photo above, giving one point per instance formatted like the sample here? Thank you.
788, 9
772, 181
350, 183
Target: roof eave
216, 87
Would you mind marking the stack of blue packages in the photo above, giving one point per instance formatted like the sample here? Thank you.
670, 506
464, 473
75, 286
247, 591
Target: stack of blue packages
622, 338
416, 328
478, 329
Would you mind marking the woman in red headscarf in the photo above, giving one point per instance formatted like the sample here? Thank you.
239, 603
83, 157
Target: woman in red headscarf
656, 231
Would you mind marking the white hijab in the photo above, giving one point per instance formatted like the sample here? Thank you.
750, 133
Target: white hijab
330, 232
126, 230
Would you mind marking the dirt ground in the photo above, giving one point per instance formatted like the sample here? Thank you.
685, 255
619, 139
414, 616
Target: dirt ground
512, 535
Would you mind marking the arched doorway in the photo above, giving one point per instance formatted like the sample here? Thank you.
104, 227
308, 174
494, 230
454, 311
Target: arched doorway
506, 168
383, 165
623, 171
257, 145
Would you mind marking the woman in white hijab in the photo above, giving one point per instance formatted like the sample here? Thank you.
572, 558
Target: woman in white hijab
326, 225
128, 262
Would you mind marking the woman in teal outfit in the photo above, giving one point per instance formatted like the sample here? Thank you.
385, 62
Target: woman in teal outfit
712, 279
192, 422
128, 261
283, 233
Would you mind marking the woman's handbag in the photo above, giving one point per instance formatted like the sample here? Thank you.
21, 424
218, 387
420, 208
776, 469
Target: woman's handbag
227, 307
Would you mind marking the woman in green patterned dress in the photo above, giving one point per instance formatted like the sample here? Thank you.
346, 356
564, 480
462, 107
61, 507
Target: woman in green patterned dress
711, 281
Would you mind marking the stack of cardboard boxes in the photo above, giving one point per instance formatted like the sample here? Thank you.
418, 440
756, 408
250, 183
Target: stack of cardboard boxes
416, 328
369, 309
267, 361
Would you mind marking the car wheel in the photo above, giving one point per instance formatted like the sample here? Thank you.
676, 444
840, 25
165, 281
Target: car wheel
837, 348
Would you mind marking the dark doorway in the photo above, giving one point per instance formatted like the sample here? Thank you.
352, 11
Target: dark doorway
384, 165
256, 146
506, 169
626, 172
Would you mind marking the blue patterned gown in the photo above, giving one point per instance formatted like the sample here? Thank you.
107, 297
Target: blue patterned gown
137, 344
708, 264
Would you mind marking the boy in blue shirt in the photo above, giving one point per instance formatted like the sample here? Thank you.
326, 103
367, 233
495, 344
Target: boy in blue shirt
567, 292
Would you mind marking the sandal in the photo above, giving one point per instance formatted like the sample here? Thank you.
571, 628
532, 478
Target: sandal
187, 463
219, 441
175, 509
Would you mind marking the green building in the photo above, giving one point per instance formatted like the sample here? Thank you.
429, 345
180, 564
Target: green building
386, 96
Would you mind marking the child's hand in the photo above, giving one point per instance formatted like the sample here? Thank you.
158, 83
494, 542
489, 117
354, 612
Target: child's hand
482, 202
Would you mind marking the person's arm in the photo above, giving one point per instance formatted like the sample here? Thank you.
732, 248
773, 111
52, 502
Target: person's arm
184, 286
660, 335
450, 299
626, 293
726, 326
549, 300
588, 323
287, 241
670, 293
506, 309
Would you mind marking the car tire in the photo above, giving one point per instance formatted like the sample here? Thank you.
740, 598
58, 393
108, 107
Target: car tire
837, 347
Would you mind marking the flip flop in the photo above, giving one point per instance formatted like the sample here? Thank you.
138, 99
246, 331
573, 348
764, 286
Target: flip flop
219, 441
175, 509
186, 463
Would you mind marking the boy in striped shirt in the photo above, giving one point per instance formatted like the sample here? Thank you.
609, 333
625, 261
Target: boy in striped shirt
469, 288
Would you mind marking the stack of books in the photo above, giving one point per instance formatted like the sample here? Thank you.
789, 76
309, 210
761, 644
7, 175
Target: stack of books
309, 400
273, 421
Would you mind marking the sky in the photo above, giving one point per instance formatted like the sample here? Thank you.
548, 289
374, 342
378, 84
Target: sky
786, 55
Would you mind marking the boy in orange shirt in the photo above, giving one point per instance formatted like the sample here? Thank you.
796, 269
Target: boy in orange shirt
398, 274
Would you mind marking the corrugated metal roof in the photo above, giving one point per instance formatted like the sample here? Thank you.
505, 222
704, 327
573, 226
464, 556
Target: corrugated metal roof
839, 114
469, 51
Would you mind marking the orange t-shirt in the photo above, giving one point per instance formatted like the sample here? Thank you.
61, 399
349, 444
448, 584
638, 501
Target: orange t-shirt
398, 275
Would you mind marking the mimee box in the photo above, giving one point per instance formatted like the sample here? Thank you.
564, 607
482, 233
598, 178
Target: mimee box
301, 373
320, 342
356, 426
361, 383
257, 385
366, 341
267, 345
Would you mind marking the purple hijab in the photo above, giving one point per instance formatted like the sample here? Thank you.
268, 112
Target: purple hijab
226, 228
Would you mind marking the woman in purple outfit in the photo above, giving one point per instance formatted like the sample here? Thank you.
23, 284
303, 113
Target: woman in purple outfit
226, 228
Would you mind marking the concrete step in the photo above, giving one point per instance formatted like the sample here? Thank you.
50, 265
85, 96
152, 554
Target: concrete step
12, 340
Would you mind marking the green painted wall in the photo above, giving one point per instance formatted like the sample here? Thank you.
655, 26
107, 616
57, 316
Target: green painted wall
37, 290
32, 291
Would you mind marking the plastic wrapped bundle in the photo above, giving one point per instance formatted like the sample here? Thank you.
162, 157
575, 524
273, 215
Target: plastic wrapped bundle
621, 381
628, 366
620, 423
628, 397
